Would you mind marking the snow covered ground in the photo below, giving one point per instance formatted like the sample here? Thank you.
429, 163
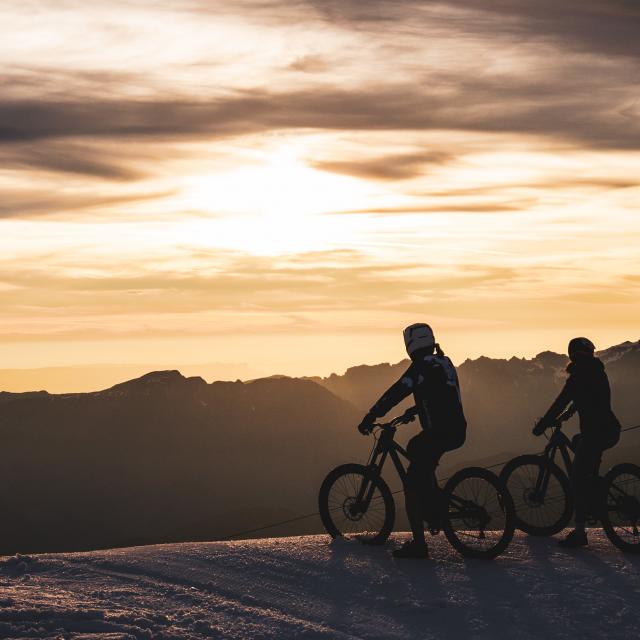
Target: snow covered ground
307, 588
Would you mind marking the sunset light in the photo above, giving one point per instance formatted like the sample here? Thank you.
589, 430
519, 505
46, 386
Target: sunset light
309, 178
281, 276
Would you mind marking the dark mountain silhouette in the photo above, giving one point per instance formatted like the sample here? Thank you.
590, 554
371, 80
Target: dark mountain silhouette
89, 377
165, 458
363, 384
502, 398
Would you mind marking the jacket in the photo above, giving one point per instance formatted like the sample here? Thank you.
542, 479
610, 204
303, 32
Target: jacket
433, 381
587, 387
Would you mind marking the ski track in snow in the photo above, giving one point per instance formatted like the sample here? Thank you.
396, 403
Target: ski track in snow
307, 588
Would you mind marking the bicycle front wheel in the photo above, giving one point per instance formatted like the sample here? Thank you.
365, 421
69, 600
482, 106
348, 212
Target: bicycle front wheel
354, 502
621, 515
541, 495
480, 519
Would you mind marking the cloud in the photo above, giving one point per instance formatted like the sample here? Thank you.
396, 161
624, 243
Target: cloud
310, 64
43, 119
391, 167
32, 203
479, 66
95, 160
479, 107
471, 207
607, 27
212, 292
505, 84
593, 182
323, 281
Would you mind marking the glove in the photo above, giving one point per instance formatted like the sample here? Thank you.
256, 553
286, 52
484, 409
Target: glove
540, 427
409, 415
366, 425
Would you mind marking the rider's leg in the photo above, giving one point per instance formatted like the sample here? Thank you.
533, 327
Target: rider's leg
417, 476
584, 475
413, 505
417, 547
422, 493
586, 466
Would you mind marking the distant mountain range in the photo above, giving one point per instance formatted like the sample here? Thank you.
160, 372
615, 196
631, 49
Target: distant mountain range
89, 377
502, 398
164, 457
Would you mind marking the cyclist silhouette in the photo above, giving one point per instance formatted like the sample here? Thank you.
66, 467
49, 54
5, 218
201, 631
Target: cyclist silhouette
587, 390
433, 380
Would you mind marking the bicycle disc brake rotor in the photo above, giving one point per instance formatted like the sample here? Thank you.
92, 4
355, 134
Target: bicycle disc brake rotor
350, 509
531, 499
476, 517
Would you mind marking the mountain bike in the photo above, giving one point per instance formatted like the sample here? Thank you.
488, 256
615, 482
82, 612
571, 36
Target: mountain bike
542, 493
477, 514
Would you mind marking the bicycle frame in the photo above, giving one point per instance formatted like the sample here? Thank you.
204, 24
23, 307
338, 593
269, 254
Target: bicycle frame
560, 442
557, 442
385, 447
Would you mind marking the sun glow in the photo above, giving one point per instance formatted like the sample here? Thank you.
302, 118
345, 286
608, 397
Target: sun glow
279, 187
275, 205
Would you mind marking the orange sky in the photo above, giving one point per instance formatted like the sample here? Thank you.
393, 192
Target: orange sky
285, 185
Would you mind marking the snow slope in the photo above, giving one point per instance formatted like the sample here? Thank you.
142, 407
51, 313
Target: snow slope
307, 588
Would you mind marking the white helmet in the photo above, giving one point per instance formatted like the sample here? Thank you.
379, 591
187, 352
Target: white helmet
418, 336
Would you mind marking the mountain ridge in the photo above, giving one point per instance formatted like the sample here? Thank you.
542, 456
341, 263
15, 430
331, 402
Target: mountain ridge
165, 457
174, 376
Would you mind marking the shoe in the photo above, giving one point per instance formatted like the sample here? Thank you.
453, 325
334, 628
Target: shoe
412, 549
574, 540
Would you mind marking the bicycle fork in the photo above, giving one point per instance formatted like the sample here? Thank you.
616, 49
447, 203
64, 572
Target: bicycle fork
542, 484
367, 487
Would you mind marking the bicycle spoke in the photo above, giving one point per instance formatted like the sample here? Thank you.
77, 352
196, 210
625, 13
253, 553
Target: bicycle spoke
348, 519
542, 512
479, 502
622, 505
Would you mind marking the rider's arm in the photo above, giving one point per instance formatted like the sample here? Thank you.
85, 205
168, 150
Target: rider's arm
395, 394
560, 403
569, 412
410, 413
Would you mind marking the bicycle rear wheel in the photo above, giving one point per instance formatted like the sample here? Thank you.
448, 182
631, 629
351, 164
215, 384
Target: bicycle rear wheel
354, 502
538, 512
480, 520
621, 515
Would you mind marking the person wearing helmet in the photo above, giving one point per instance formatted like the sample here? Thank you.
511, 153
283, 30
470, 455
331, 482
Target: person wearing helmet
587, 391
433, 381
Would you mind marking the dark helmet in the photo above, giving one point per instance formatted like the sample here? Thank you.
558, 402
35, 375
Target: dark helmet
581, 347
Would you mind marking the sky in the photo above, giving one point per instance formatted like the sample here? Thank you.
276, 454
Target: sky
285, 185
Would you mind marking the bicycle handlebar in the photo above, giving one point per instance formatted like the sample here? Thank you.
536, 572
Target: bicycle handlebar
557, 423
563, 417
394, 422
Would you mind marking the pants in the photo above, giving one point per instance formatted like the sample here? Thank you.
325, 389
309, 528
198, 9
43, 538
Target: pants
585, 472
421, 489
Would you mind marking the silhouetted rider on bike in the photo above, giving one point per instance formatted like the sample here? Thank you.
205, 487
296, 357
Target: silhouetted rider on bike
587, 387
433, 380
